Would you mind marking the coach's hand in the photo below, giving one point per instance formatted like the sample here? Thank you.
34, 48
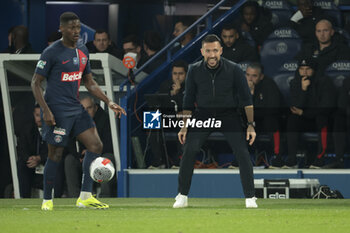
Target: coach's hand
48, 117
251, 135
182, 135
116, 108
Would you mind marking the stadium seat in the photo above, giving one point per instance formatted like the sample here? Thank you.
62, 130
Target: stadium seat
331, 10
243, 65
281, 12
285, 75
338, 71
282, 45
344, 34
248, 37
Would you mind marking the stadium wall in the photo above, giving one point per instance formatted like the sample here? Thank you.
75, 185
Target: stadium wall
215, 183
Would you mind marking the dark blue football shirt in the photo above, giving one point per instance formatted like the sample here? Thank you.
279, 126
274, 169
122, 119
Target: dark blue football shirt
63, 68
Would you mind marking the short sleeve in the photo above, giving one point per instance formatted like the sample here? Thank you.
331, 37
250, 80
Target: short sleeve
87, 69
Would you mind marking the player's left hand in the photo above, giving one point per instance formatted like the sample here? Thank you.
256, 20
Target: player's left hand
251, 135
116, 108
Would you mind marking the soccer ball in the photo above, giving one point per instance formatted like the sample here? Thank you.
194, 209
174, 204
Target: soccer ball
101, 170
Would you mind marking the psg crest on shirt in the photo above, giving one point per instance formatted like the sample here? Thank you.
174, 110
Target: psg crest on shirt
75, 61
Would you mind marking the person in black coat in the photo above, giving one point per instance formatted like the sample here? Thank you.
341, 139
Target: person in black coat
255, 22
103, 44
312, 100
174, 88
32, 152
234, 46
215, 88
267, 102
326, 49
19, 44
303, 21
152, 43
341, 125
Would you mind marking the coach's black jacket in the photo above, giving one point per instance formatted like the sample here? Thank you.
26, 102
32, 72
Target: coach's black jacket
218, 92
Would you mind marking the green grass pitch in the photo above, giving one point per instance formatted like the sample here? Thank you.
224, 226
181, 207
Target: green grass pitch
156, 215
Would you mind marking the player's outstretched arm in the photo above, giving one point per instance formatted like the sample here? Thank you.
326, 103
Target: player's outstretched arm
94, 89
39, 97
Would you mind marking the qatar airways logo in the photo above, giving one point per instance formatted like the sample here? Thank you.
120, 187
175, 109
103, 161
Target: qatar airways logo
71, 76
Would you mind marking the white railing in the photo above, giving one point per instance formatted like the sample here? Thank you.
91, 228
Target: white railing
15, 64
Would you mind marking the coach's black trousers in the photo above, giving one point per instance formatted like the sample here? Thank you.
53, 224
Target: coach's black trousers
236, 137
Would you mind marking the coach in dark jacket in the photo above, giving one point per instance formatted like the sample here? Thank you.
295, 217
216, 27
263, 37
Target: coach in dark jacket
216, 86
312, 100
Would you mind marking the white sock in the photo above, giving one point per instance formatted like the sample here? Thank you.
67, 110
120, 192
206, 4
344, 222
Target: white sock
46, 200
85, 195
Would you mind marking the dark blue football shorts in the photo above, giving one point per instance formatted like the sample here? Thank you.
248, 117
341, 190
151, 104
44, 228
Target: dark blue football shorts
65, 127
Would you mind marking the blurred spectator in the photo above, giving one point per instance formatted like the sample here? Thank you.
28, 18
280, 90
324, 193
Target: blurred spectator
132, 44
73, 162
103, 44
180, 27
235, 48
341, 125
312, 100
175, 88
32, 152
152, 43
5, 166
19, 41
9, 37
267, 102
326, 49
305, 19
253, 21
53, 37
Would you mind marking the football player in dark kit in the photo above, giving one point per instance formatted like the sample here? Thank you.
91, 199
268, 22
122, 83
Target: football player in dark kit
217, 87
64, 64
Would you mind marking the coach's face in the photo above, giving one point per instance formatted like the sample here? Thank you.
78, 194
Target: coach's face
212, 52
71, 30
